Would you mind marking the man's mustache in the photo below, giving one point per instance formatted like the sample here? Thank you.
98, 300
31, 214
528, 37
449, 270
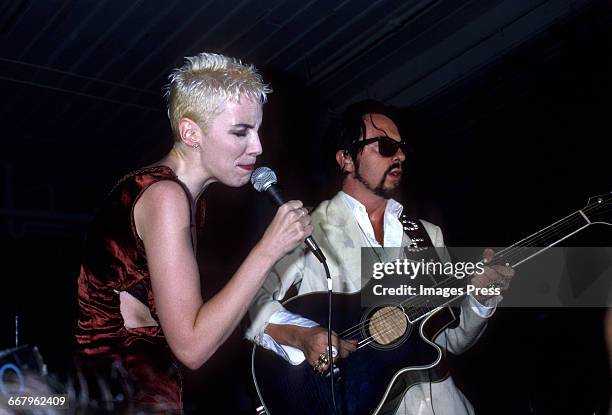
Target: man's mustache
393, 166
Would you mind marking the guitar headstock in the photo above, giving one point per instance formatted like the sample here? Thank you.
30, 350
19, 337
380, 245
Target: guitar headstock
599, 209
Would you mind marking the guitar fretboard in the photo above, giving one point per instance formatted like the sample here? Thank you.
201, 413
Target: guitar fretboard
512, 256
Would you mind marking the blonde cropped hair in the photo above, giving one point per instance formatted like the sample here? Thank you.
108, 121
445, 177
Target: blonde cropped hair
199, 89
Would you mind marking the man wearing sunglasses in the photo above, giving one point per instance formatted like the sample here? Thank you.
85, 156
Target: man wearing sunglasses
370, 154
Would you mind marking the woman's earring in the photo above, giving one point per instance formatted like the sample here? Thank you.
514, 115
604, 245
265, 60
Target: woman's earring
196, 146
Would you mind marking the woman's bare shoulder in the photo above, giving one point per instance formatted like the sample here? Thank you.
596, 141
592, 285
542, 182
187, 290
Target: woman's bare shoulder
163, 203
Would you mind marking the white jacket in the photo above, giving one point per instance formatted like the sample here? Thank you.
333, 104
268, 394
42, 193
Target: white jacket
339, 236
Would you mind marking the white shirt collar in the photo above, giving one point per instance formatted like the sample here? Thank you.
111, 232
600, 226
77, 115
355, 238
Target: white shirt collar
393, 207
393, 230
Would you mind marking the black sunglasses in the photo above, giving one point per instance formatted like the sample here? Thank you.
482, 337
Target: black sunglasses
387, 147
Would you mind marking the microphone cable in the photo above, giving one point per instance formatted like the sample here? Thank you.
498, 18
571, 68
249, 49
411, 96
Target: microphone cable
329, 335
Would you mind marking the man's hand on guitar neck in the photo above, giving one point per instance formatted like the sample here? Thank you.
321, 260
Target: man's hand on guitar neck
492, 276
312, 341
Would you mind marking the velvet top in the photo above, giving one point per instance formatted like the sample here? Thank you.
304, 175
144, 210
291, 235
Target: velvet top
114, 260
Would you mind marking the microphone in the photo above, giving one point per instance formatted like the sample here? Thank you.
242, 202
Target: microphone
264, 180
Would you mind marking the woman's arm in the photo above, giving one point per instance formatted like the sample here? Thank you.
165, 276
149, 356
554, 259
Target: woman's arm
194, 330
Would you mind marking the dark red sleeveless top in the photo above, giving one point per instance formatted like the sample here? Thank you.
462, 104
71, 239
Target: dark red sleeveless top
115, 260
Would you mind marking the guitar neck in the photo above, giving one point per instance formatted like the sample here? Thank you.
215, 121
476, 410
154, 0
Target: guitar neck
540, 241
511, 256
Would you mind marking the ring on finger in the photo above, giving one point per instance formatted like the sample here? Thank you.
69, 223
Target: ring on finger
318, 367
323, 359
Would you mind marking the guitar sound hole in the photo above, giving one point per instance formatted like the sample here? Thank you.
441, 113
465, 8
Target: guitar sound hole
387, 325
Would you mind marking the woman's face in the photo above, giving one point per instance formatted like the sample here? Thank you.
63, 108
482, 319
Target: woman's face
231, 144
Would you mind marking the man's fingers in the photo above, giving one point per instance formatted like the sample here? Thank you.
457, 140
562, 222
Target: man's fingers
503, 270
340, 348
487, 255
350, 345
346, 350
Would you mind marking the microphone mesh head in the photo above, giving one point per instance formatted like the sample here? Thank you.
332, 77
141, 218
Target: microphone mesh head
262, 178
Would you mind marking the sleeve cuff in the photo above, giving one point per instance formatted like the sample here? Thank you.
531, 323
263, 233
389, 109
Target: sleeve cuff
283, 316
291, 354
485, 310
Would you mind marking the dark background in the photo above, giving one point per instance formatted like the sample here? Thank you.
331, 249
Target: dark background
513, 105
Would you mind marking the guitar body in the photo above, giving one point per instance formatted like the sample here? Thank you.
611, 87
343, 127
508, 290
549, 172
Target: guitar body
367, 376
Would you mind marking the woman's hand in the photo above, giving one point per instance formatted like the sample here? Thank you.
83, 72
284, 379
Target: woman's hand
291, 225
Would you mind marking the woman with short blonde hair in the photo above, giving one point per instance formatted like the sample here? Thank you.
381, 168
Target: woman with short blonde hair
139, 286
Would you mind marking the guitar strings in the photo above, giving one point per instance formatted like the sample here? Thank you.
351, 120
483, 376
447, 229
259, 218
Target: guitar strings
510, 253
500, 257
513, 252
367, 340
425, 303
553, 228
506, 255
420, 304
357, 329
414, 311
544, 230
